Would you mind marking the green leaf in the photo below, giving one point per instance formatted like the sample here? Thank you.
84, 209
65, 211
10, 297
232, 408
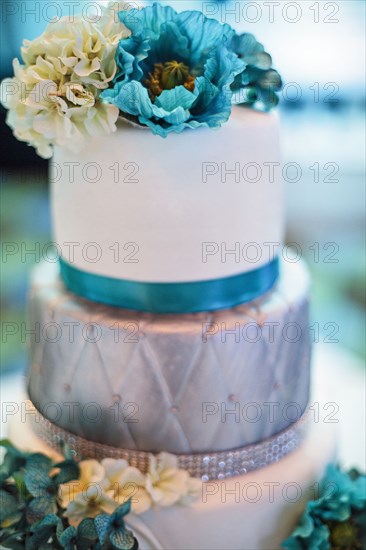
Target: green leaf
8, 445
8, 505
20, 485
13, 541
12, 462
42, 531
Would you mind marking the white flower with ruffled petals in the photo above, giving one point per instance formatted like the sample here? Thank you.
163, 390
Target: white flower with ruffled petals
53, 98
102, 487
88, 496
167, 484
127, 482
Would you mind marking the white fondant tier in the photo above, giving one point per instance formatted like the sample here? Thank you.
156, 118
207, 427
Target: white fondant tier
196, 206
256, 511
183, 383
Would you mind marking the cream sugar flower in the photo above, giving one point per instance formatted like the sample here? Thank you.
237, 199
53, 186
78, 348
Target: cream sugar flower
88, 496
166, 484
53, 98
104, 486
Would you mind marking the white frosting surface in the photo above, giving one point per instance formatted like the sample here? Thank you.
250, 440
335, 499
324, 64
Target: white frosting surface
139, 207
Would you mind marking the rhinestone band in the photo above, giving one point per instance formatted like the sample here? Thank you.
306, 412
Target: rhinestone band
207, 466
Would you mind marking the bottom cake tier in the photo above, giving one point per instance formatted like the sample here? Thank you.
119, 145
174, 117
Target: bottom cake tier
255, 511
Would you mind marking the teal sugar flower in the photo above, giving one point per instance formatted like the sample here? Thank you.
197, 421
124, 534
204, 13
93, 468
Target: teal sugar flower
175, 71
112, 531
337, 518
84, 536
31, 515
43, 484
259, 83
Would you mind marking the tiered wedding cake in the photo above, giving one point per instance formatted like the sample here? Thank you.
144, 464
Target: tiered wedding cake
175, 322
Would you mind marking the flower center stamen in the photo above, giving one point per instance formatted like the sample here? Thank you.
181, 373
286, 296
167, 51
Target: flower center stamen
167, 76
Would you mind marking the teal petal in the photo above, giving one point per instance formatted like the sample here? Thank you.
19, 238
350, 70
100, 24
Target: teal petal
69, 471
86, 534
259, 82
102, 525
67, 538
205, 92
222, 66
204, 34
358, 492
172, 44
305, 527
37, 481
178, 97
159, 34
38, 508
292, 544
123, 540
248, 48
147, 20
130, 52
123, 509
39, 461
130, 97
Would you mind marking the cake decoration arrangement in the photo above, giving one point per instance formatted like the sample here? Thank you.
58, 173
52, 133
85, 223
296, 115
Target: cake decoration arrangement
171, 375
33, 515
164, 70
337, 518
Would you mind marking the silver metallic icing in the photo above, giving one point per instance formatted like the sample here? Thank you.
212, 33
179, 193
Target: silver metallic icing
207, 466
178, 383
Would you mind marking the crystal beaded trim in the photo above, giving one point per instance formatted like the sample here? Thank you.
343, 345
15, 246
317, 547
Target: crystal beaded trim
207, 466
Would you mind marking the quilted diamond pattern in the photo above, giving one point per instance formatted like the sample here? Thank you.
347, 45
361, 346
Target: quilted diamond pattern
155, 383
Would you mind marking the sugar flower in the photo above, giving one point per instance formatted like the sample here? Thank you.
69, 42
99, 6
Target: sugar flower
88, 496
126, 482
175, 70
259, 83
337, 518
104, 486
54, 96
166, 484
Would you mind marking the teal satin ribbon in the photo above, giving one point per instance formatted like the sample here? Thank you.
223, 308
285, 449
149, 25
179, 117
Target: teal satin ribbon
188, 297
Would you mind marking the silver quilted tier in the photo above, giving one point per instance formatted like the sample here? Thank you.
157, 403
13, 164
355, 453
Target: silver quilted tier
198, 383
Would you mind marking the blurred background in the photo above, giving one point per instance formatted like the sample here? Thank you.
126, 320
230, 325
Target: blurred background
319, 49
